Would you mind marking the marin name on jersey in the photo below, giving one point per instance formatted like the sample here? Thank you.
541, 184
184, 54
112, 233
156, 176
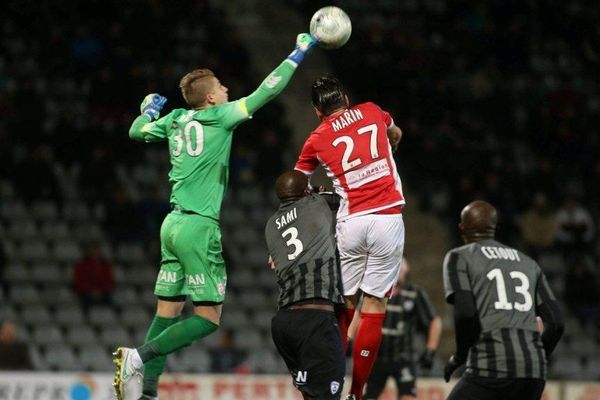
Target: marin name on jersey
346, 119
286, 218
502, 253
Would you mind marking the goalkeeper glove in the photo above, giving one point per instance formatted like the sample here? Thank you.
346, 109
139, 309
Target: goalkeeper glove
152, 105
304, 42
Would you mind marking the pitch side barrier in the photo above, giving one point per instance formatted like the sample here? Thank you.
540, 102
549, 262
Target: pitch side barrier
98, 386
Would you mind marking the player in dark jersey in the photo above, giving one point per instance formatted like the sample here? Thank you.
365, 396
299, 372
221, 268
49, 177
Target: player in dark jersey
301, 242
408, 309
497, 292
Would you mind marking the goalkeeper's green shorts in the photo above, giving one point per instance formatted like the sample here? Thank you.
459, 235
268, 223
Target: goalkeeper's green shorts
191, 260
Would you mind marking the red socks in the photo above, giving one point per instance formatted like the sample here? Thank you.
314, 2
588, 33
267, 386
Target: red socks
344, 318
364, 350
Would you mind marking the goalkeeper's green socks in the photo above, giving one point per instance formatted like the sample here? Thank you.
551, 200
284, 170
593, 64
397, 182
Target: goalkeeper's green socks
175, 337
154, 368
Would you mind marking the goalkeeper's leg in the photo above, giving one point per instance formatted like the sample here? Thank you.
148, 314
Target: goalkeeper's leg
167, 314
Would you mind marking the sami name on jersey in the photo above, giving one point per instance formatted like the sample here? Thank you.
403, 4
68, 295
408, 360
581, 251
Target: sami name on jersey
354, 149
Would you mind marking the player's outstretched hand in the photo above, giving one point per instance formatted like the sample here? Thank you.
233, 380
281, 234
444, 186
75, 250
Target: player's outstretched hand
304, 42
152, 105
451, 366
426, 359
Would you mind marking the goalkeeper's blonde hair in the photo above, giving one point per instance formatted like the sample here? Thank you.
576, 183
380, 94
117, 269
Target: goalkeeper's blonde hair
196, 85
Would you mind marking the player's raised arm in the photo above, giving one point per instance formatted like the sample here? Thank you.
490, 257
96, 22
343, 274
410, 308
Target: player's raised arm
277, 80
147, 127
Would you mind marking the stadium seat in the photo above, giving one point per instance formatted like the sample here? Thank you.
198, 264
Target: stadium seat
136, 317
26, 293
36, 314
253, 299
17, 273
213, 340
43, 210
87, 232
102, 316
115, 336
266, 360
96, 358
75, 212
80, 335
130, 253
13, 210
262, 318
32, 251
55, 230
568, 367
591, 371
37, 359
46, 335
67, 251
235, 318
48, 273
248, 340
24, 229
58, 295
191, 359
70, 315
61, 357
257, 256
125, 296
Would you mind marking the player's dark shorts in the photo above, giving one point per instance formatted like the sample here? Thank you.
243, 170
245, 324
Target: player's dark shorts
478, 388
311, 346
403, 373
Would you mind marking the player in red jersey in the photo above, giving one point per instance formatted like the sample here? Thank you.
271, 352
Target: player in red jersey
355, 145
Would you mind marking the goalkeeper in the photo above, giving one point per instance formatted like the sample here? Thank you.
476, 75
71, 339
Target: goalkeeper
199, 140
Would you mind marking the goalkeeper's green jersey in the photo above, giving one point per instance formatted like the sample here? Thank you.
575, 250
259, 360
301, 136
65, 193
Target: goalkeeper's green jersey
200, 144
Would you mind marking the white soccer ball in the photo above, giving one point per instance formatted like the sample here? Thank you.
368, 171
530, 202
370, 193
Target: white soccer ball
331, 26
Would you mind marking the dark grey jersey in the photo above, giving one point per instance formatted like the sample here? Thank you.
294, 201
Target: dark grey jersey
301, 241
407, 311
507, 286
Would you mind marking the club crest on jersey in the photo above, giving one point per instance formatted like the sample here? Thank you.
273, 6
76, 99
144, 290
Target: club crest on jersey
334, 387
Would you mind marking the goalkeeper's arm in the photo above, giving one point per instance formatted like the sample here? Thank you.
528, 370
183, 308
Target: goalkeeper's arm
280, 77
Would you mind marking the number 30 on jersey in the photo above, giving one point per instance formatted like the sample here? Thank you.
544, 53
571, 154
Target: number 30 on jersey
191, 137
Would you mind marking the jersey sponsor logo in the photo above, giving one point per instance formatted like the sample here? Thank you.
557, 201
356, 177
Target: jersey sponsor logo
195, 280
272, 81
368, 173
334, 386
503, 253
365, 353
301, 377
167, 276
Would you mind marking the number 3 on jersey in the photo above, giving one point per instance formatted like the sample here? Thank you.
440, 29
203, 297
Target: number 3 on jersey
293, 241
192, 137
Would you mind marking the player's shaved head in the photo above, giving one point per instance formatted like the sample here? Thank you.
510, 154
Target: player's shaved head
291, 186
196, 85
478, 221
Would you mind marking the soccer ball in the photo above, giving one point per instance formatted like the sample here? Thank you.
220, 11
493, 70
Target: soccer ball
331, 26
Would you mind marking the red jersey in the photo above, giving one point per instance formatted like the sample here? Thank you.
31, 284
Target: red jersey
353, 147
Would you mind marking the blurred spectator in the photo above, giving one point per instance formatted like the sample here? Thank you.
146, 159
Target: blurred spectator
13, 354
538, 226
226, 358
575, 228
93, 278
581, 287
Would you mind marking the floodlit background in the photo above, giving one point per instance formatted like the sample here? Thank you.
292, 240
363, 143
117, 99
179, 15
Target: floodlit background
498, 100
